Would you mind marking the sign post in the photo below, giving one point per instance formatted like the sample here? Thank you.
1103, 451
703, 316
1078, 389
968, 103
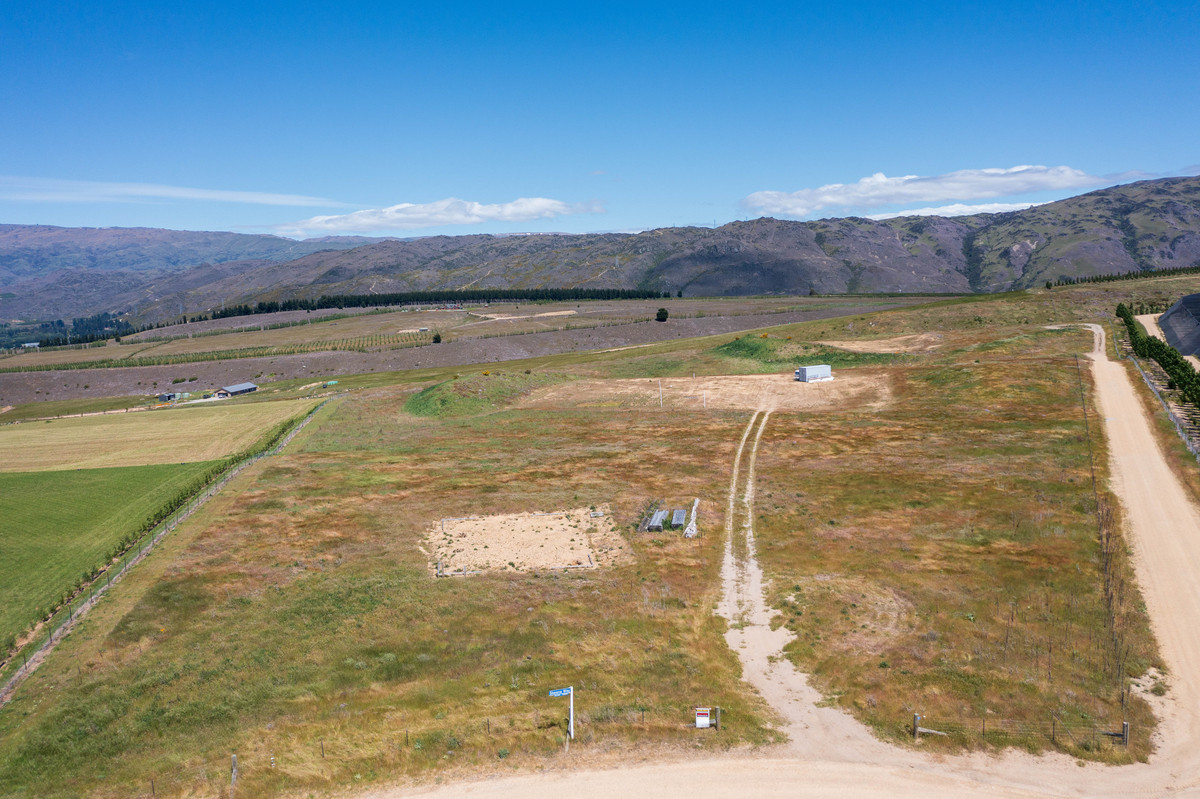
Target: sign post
568, 692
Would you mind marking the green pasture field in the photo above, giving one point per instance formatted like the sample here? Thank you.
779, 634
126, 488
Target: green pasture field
928, 555
180, 435
58, 525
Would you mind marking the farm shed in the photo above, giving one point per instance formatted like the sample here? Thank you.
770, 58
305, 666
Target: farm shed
656, 521
679, 518
811, 374
240, 388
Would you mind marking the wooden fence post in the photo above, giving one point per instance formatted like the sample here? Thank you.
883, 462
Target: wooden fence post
915, 727
1125, 733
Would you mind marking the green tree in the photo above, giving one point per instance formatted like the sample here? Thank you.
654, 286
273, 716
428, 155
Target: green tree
662, 315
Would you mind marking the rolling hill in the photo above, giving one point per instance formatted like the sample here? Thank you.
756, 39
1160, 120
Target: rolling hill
1145, 226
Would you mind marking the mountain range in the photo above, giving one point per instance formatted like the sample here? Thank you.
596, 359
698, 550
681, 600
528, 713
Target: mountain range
49, 272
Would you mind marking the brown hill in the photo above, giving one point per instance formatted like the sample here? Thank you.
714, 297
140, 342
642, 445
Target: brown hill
1139, 226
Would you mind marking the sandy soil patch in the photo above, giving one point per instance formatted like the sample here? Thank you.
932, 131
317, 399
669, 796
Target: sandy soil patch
6, 409
580, 538
860, 389
918, 342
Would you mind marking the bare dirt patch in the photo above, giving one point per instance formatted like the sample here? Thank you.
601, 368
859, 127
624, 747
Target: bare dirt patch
526, 541
503, 316
862, 389
919, 342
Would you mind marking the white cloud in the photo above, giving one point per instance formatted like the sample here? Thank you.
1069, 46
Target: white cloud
451, 211
85, 191
957, 209
879, 190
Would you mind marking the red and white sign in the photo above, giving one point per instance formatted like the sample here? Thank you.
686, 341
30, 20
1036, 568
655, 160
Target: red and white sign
703, 717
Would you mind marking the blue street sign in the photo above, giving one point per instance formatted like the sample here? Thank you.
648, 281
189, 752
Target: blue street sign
561, 692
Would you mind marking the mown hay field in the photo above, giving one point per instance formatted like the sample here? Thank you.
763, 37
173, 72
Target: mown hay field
58, 525
180, 435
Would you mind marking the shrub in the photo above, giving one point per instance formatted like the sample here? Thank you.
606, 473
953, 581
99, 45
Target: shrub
662, 315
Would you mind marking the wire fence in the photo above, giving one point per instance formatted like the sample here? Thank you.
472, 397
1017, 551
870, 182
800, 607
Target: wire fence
1075, 736
30, 657
365, 744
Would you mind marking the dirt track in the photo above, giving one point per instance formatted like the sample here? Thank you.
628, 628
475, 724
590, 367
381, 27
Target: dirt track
830, 755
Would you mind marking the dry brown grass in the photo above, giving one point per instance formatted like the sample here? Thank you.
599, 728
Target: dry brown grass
863, 388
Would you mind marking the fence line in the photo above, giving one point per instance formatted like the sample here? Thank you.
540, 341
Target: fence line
534, 733
87, 600
1088, 737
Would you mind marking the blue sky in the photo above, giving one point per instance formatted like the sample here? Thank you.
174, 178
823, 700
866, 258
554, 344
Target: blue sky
391, 119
